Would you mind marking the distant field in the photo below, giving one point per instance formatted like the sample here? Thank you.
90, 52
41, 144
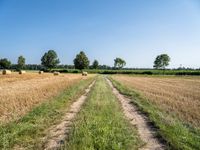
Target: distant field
129, 71
20, 93
134, 71
179, 96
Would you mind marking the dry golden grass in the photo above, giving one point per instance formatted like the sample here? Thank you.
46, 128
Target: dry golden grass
20, 93
176, 95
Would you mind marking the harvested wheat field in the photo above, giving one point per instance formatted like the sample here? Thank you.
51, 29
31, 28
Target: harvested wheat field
15, 77
20, 93
179, 96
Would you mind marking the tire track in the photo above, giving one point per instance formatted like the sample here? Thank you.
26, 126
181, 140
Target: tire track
58, 133
137, 119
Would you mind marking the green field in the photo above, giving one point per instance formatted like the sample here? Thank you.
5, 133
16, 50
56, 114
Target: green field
134, 71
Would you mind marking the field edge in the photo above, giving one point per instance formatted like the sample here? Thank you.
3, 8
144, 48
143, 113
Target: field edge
175, 133
28, 131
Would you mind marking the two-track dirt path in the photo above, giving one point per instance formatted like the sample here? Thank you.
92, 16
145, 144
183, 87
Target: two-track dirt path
58, 133
137, 119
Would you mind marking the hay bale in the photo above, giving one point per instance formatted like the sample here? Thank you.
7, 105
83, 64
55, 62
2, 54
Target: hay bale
22, 72
4, 72
56, 73
41, 72
84, 73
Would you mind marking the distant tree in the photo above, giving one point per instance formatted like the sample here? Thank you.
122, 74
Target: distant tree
104, 67
81, 61
5, 63
50, 59
161, 61
21, 62
95, 64
119, 63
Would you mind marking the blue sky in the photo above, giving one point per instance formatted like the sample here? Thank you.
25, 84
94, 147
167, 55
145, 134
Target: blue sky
135, 30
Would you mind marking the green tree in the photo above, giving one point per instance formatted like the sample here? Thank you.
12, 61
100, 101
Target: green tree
95, 64
81, 61
5, 63
21, 62
161, 61
119, 63
50, 59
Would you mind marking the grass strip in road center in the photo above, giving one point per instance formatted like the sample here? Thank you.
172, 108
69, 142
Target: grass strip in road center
101, 124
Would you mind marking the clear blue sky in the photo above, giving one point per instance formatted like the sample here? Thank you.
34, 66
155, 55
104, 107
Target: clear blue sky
135, 30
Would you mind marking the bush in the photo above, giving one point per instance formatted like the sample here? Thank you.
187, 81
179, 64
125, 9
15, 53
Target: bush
75, 71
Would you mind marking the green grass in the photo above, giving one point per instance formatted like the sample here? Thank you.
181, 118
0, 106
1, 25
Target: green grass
176, 133
100, 125
28, 131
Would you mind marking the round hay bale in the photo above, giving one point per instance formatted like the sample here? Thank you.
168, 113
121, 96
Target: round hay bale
56, 73
84, 73
5, 72
22, 72
41, 72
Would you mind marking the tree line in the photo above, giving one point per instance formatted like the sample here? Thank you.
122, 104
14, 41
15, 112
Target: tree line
50, 60
6, 64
